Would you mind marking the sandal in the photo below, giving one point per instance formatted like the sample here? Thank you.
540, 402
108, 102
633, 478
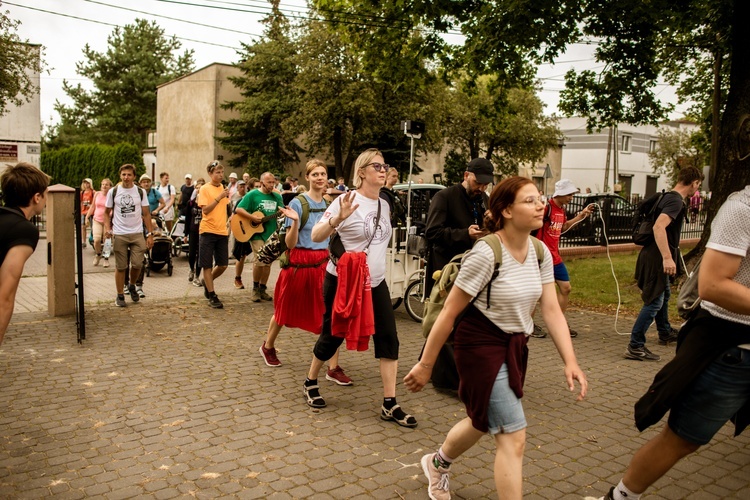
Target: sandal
397, 415
314, 399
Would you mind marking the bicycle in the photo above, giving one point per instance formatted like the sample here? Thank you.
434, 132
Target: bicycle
414, 295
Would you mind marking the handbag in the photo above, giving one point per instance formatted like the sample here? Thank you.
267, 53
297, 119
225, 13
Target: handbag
336, 246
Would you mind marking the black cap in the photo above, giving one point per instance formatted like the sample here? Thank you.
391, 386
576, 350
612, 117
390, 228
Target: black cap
482, 169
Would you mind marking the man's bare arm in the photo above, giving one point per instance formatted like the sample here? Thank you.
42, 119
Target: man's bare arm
10, 276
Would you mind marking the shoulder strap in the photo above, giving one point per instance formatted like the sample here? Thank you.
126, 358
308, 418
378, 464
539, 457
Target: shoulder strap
305, 209
494, 242
539, 249
547, 213
141, 191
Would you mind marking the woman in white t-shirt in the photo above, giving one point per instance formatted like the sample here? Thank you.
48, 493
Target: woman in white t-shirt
354, 216
490, 339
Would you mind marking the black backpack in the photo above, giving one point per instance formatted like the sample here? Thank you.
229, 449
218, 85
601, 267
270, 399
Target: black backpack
644, 218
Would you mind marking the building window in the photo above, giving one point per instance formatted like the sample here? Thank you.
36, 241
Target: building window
625, 143
652, 146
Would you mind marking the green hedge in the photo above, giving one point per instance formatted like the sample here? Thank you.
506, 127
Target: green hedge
71, 165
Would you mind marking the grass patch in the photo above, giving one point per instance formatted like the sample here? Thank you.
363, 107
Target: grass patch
594, 287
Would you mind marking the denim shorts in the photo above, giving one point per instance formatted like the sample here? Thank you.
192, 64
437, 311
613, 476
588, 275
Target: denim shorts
505, 411
713, 397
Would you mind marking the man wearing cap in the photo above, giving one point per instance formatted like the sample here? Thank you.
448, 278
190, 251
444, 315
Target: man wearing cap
168, 193
555, 223
186, 192
454, 222
232, 185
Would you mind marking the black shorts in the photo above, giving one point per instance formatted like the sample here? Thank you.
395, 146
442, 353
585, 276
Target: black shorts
213, 250
241, 249
385, 339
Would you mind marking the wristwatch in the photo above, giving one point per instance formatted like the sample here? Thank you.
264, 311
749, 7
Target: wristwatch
148, 234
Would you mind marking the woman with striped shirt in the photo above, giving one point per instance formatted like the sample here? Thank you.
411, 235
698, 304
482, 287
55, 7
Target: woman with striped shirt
490, 339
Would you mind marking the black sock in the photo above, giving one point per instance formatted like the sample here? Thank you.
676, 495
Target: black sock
389, 403
120, 296
238, 277
309, 382
263, 287
212, 294
256, 284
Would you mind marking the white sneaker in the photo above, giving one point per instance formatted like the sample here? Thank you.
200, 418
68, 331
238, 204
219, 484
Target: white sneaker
97, 258
106, 263
438, 487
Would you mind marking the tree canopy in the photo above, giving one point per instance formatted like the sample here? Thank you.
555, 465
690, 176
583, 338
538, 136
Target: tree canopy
17, 58
121, 107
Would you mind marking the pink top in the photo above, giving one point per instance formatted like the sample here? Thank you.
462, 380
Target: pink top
99, 208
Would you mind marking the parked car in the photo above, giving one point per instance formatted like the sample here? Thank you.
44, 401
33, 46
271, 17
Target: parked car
421, 195
614, 216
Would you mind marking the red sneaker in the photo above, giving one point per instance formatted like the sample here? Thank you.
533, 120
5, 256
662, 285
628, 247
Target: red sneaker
269, 355
337, 375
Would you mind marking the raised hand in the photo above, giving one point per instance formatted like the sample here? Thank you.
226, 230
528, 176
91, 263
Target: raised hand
288, 212
346, 205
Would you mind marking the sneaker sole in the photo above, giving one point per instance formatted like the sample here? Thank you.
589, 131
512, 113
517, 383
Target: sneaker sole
216, 306
260, 350
333, 379
426, 470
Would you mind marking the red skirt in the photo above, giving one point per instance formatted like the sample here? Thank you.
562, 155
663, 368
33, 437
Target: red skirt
298, 297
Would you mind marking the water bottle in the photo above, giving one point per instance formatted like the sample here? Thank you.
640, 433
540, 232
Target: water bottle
107, 250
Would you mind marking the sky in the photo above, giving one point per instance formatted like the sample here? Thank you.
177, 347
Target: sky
212, 28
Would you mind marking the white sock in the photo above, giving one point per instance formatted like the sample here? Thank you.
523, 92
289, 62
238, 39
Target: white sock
622, 492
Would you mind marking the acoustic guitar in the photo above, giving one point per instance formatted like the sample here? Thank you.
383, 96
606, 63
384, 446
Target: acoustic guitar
244, 229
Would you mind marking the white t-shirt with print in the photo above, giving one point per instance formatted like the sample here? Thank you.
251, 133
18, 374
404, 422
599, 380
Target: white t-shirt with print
730, 233
166, 192
127, 216
356, 230
515, 291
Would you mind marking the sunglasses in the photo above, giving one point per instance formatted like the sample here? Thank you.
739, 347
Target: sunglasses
384, 167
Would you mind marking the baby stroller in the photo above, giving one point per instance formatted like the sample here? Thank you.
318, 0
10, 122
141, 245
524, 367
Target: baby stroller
179, 237
159, 255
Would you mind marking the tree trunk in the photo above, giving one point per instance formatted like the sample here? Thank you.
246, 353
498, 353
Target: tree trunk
732, 173
337, 153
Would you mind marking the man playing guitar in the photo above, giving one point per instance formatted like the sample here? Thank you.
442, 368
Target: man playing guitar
267, 202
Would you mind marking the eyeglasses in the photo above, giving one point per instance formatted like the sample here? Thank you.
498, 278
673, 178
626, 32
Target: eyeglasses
380, 167
533, 200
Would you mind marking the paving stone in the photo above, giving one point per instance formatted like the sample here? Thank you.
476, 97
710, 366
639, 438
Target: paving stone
188, 409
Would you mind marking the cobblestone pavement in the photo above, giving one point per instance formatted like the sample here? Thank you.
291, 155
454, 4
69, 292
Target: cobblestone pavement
168, 398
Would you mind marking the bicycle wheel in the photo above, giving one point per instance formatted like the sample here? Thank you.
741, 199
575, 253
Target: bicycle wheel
414, 300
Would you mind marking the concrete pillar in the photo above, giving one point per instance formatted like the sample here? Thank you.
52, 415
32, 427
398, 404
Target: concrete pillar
61, 257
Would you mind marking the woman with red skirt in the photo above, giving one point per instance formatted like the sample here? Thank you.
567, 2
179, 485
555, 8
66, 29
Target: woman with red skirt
298, 296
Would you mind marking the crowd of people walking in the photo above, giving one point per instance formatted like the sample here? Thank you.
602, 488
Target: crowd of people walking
333, 255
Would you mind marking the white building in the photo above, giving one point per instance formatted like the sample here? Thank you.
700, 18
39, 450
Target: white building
585, 156
21, 130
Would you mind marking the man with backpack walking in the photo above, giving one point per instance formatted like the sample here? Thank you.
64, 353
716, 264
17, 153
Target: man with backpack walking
658, 263
555, 223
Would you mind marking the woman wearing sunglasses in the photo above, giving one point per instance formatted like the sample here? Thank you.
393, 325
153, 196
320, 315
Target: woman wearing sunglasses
362, 220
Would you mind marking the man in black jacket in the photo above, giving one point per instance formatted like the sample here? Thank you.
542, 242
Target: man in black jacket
454, 222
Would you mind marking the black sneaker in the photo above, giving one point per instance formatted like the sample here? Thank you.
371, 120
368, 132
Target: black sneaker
214, 302
640, 353
573, 333
120, 301
133, 293
538, 332
671, 337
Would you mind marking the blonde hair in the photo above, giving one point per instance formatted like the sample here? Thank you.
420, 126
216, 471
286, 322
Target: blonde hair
313, 164
361, 163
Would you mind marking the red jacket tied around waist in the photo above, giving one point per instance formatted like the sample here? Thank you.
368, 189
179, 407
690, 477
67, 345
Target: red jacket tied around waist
352, 316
